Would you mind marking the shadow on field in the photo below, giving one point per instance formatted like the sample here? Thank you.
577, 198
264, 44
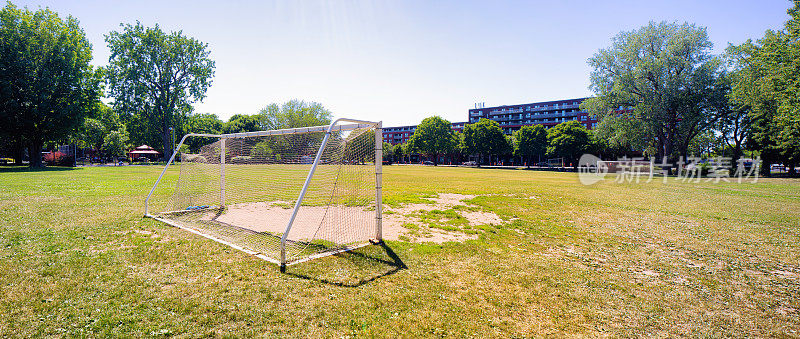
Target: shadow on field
8, 168
353, 268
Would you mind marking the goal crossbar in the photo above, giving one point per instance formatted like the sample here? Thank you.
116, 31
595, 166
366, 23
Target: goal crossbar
338, 125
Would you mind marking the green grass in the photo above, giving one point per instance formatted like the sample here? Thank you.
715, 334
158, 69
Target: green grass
676, 259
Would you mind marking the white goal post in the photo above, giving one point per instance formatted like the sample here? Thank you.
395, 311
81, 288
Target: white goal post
286, 196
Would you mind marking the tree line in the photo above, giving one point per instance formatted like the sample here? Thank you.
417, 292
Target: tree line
486, 142
50, 93
659, 92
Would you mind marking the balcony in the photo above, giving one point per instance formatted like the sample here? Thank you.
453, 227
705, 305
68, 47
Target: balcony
508, 111
507, 119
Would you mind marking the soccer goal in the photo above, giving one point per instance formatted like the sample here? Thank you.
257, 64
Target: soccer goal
286, 196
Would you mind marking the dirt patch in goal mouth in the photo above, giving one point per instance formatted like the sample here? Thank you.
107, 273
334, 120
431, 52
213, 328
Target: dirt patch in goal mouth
449, 217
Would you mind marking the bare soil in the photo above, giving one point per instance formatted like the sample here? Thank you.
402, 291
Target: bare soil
401, 223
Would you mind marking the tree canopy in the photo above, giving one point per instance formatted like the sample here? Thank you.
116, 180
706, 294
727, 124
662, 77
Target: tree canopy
484, 138
239, 123
568, 140
154, 78
203, 123
434, 136
116, 142
765, 83
293, 114
529, 142
93, 132
663, 76
47, 85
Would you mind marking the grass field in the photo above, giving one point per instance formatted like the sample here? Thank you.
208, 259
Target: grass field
698, 259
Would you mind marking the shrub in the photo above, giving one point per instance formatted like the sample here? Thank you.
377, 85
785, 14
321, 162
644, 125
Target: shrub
242, 159
58, 159
195, 158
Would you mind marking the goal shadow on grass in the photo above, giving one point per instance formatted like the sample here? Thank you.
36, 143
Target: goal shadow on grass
351, 269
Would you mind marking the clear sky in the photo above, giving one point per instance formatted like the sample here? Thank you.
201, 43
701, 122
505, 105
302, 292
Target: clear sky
401, 61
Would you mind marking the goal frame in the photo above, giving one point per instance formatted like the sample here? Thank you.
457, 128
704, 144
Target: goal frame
336, 126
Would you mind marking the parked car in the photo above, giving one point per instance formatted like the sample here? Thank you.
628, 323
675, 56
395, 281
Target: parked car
428, 163
470, 163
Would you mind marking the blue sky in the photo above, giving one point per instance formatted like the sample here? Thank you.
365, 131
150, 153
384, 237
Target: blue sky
401, 61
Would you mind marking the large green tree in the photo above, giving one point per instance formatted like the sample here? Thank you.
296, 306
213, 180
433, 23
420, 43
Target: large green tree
154, 78
665, 74
239, 123
204, 123
568, 140
47, 85
116, 142
388, 152
433, 137
529, 142
766, 83
92, 132
398, 152
484, 138
293, 114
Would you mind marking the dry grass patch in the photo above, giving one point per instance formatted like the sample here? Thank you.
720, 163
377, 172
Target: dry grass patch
676, 259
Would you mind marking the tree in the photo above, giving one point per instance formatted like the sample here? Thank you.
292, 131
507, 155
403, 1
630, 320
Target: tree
664, 73
397, 150
116, 142
530, 141
293, 114
201, 124
154, 78
407, 150
93, 132
47, 85
242, 123
457, 152
388, 152
508, 147
433, 137
568, 140
705, 144
484, 138
107, 116
765, 84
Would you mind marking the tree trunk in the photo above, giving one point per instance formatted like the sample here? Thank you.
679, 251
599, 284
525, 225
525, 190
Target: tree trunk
35, 153
18, 148
736, 154
165, 137
765, 168
668, 145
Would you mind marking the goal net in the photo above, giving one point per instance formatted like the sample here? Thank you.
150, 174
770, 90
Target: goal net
286, 196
